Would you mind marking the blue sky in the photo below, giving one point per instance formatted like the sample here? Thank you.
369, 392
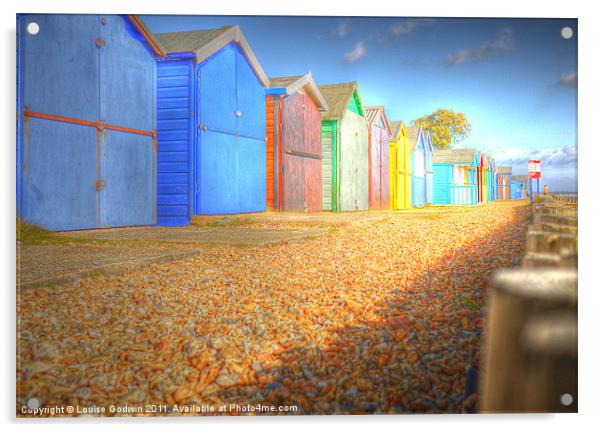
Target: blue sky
515, 79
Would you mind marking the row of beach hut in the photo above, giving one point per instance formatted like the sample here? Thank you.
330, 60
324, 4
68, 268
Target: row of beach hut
118, 126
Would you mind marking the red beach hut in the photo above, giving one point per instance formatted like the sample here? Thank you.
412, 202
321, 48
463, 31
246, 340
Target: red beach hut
294, 144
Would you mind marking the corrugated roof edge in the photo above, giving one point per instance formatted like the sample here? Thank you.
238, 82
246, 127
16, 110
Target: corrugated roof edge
307, 80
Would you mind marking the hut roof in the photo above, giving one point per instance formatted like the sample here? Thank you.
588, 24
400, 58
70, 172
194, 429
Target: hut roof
396, 126
338, 97
454, 156
428, 141
372, 113
292, 84
204, 43
413, 135
504, 169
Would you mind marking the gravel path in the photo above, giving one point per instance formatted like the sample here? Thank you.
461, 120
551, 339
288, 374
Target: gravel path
233, 235
376, 316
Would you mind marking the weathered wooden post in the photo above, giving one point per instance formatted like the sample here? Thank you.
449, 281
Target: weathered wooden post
550, 344
519, 298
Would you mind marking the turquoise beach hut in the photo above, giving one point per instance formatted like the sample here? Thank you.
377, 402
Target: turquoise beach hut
455, 177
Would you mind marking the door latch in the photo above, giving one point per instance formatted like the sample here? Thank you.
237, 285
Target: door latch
100, 42
237, 113
202, 127
100, 184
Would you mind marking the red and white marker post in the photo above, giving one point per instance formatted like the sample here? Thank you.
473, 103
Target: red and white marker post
534, 173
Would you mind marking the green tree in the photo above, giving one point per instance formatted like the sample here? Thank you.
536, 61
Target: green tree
446, 127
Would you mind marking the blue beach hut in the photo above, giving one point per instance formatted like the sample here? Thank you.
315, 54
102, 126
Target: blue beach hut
211, 125
86, 149
519, 186
492, 185
428, 166
455, 176
503, 177
421, 160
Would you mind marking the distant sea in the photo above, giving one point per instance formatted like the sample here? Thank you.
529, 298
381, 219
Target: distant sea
566, 194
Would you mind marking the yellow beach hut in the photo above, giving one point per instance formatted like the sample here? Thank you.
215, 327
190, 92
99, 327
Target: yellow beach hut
400, 167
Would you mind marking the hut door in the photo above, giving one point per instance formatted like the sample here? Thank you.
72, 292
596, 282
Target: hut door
419, 181
312, 138
251, 133
58, 161
216, 164
77, 173
128, 160
375, 167
230, 152
396, 185
384, 169
329, 189
479, 184
230, 156
400, 178
293, 148
301, 147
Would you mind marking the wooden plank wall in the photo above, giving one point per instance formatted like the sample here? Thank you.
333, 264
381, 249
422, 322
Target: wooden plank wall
312, 136
269, 147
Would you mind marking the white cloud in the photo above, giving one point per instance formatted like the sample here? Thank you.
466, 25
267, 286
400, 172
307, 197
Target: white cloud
356, 53
560, 157
568, 80
409, 25
342, 29
503, 43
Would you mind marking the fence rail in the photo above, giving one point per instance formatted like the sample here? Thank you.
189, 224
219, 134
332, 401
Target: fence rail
463, 194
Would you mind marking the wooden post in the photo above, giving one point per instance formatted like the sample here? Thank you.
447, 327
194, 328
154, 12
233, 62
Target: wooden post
550, 344
545, 241
565, 258
518, 296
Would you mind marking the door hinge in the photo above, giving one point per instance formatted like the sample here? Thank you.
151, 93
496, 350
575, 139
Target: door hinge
100, 184
100, 42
